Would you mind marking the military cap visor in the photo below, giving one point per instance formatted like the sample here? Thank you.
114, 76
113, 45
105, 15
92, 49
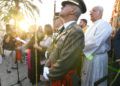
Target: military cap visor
78, 3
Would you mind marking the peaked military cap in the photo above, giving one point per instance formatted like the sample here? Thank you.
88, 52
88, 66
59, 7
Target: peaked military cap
79, 3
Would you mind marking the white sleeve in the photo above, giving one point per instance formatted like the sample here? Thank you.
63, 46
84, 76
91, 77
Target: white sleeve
98, 37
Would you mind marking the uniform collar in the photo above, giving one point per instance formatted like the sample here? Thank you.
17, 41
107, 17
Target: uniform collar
68, 23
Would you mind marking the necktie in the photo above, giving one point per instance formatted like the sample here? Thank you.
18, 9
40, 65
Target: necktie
61, 30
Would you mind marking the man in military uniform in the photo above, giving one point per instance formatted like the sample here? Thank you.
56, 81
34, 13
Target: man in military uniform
64, 59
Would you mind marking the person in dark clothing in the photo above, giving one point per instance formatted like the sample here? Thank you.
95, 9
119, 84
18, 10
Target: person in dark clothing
116, 42
32, 55
116, 45
116, 51
9, 47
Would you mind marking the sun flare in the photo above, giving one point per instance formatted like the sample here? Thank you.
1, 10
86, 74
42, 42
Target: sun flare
23, 25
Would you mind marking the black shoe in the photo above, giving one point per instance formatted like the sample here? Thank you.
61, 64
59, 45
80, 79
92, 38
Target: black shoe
13, 67
8, 71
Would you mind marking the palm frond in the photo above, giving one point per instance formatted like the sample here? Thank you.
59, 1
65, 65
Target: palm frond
10, 8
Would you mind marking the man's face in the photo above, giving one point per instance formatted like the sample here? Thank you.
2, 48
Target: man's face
81, 24
66, 10
94, 14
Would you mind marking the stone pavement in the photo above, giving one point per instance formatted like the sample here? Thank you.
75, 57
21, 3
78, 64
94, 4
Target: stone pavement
12, 78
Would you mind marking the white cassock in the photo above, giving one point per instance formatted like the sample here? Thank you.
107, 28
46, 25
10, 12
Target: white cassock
97, 44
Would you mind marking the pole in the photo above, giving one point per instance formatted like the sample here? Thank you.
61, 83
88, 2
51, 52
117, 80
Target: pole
54, 14
36, 54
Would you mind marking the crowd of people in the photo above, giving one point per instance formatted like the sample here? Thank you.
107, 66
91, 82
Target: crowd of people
70, 54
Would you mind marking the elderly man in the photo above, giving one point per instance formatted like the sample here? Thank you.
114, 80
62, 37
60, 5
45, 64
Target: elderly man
97, 45
64, 58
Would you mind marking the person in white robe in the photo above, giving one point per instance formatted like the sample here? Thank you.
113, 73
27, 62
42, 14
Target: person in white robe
97, 44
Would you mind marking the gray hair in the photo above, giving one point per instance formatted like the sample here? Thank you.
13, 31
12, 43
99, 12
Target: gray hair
100, 9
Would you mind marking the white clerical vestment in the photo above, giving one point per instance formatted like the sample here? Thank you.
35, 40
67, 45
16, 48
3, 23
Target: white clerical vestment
97, 44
